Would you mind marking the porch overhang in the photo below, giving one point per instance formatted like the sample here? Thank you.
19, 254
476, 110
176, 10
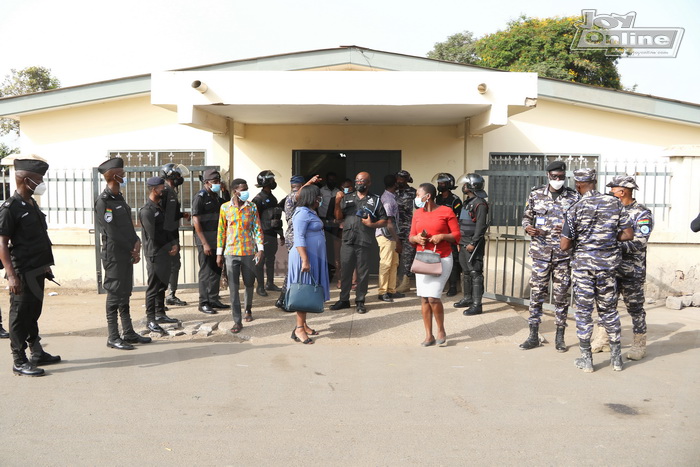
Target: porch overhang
208, 100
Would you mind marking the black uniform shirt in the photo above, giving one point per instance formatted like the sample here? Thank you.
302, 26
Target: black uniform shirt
206, 206
113, 219
270, 214
171, 208
453, 202
473, 221
25, 224
354, 231
155, 238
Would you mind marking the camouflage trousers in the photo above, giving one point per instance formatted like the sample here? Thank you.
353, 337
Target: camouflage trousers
560, 274
631, 287
596, 288
408, 253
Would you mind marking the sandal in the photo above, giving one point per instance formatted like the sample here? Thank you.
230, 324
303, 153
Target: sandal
236, 329
248, 317
296, 338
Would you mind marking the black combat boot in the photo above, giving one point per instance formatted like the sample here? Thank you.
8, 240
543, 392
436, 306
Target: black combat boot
466, 300
533, 340
559, 340
39, 356
585, 363
279, 303
477, 292
130, 336
113, 339
452, 290
616, 356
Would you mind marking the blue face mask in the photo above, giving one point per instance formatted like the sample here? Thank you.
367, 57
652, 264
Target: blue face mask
346, 190
419, 203
122, 184
244, 195
216, 187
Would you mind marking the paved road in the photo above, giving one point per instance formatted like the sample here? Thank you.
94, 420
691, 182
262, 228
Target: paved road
364, 394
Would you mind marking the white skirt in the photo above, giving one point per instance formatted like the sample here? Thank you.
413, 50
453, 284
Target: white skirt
431, 286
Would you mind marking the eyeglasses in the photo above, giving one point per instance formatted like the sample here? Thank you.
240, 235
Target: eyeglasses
361, 180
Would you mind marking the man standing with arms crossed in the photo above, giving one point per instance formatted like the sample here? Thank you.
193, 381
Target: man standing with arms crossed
543, 220
363, 213
389, 244
173, 175
593, 227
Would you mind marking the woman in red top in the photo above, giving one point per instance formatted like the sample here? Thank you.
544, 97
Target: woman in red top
433, 228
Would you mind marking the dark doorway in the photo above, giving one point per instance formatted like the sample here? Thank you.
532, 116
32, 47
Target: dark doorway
347, 164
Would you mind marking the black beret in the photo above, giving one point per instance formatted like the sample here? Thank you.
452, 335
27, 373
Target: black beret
210, 174
155, 181
115, 163
556, 165
31, 165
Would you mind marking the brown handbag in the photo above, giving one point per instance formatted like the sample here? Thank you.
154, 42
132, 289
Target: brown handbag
427, 262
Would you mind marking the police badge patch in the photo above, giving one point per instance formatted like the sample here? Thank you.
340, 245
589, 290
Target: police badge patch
108, 215
644, 225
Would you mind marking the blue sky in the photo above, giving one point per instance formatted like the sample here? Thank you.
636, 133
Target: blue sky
85, 41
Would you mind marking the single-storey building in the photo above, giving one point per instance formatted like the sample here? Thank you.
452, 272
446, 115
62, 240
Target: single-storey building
352, 109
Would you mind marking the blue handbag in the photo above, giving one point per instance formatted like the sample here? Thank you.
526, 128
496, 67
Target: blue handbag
307, 298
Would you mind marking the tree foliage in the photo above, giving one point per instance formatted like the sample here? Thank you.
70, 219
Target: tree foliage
29, 80
458, 47
542, 46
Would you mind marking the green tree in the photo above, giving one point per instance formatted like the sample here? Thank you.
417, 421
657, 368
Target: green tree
457, 48
26, 81
542, 46
6, 150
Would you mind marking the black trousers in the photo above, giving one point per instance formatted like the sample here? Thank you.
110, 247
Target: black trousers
175, 264
25, 310
354, 257
209, 276
268, 264
235, 267
118, 282
158, 268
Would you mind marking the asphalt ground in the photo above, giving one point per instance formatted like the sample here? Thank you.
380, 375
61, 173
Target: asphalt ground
366, 393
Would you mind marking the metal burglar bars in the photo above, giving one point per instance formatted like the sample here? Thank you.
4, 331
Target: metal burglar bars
136, 194
511, 176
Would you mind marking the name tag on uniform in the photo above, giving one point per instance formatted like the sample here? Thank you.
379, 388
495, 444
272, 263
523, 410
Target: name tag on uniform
539, 221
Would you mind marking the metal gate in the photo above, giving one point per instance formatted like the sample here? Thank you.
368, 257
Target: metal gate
511, 177
136, 193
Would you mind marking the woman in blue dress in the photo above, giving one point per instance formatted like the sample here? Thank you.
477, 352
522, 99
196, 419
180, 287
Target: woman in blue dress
307, 258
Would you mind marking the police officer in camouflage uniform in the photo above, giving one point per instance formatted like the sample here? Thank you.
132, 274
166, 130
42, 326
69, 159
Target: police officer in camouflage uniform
405, 196
631, 273
473, 223
543, 220
593, 227
445, 183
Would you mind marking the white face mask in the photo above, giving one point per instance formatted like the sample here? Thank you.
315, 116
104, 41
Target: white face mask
556, 184
39, 189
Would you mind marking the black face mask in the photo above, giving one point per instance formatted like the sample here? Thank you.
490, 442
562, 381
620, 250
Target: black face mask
331, 184
361, 188
273, 185
178, 181
442, 188
401, 186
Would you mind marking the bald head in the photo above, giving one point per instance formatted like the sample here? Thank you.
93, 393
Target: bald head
362, 182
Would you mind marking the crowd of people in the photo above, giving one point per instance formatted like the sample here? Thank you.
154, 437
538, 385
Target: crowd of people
582, 239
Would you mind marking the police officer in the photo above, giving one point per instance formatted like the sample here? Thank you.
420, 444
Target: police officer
405, 196
543, 220
593, 227
631, 273
27, 264
363, 213
158, 247
173, 174
205, 219
445, 183
271, 221
473, 223
121, 249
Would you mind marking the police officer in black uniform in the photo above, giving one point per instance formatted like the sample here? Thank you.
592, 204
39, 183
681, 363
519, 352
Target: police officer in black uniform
445, 183
473, 223
25, 251
205, 220
121, 249
363, 213
271, 222
174, 177
158, 247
